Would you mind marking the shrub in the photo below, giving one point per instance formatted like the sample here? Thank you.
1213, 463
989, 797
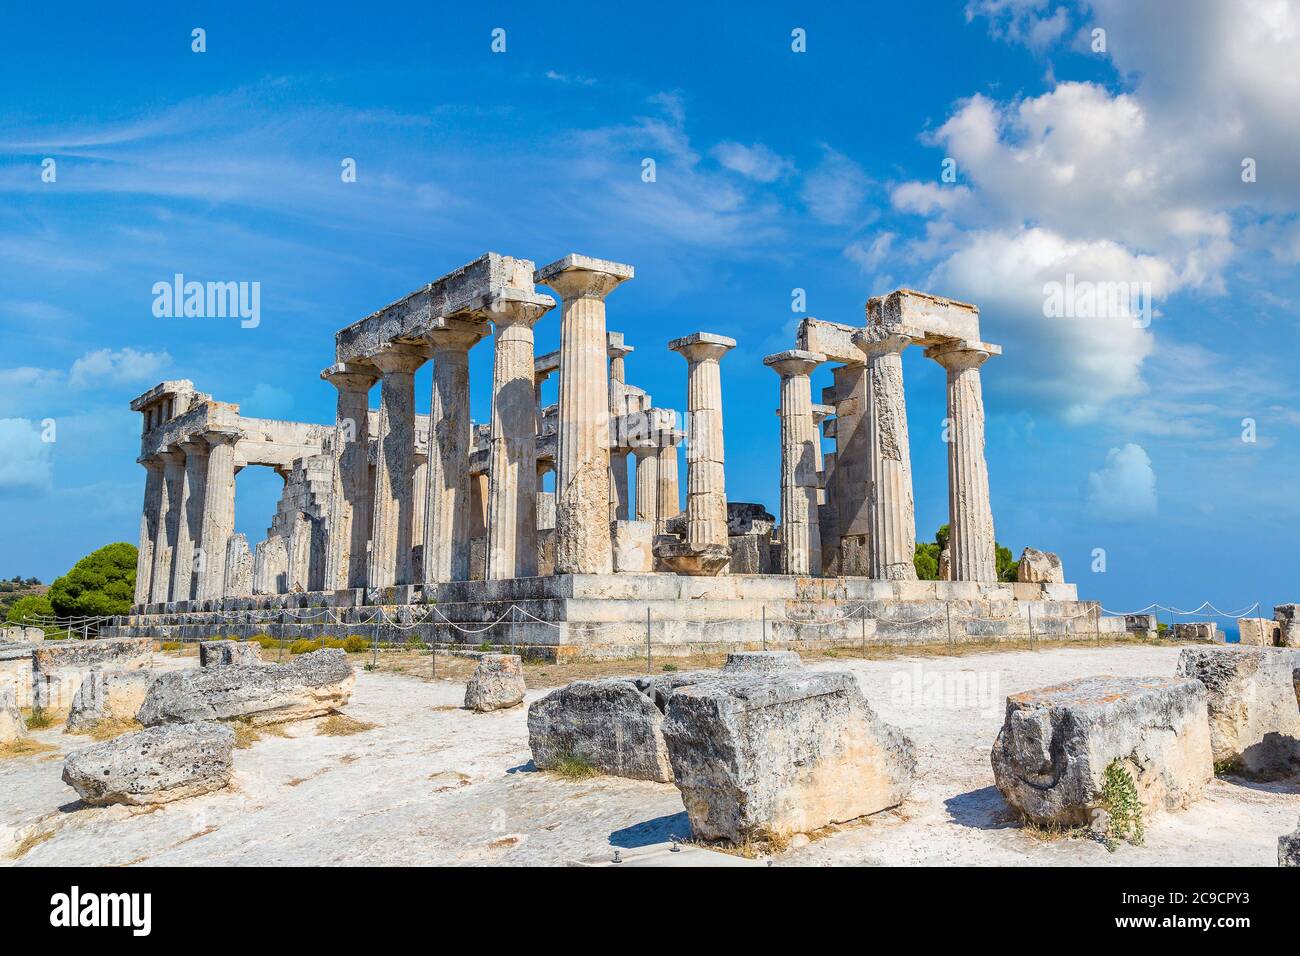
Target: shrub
30, 605
169, 646
302, 646
103, 582
355, 644
1119, 798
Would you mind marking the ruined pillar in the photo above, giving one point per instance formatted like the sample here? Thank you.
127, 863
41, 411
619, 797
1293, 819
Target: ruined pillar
164, 548
970, 515
800, 532
706, 493
189, 530
512, 474
852, 469
150, 516
889, 491
393, 511
647, 483
668, 500
218, 511
447, 508
582, 536
618, 485
345, 550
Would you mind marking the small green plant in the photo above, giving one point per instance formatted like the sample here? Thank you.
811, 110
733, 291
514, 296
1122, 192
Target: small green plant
485, 647
39, 719
571, 767
356, 644
372, 667
169, 646
1119, 798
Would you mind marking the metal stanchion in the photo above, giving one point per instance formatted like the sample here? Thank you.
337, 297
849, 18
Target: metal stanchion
648, 665
764, 627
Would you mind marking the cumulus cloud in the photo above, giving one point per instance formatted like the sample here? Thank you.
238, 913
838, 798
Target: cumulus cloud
835, 189
755, 162
124, 367
1124, 488
1034, 23
25, 459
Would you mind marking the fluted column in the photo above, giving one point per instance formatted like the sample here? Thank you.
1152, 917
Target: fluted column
970, 515
447, 512
582, 538
889, 491
512, 474
149, 521
647, 483
345, 550
668, 502
189, 530
393, 510
706, 491
618, 485
800, 531
218, 512
164, 548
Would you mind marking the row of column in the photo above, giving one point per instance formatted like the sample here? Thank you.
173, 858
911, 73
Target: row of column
888, 499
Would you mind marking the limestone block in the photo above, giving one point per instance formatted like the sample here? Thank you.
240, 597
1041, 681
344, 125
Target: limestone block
762, 661
59, 667
478, 558
1288, 621
18, 633
744, 517
1288, 848
679, 557
1040, 567
1259, 632
1141, 625
768, 755
1196, 631
1051, 755
497, 683
12, 725
545, 552
751, 553
115, 695
1254, 719
310, 686
157, 765
217, 653
633, 546
945, 564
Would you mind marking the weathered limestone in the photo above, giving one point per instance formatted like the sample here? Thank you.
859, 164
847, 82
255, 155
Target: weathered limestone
112, 696
1288, 848
633, 543
647, 483
239, 567
149, 520
59, 667
582, 543
512, 479
1197, 631
1288, 620
164, 547
1254, 717
668, 502
619, 486
497, 683
345, 561
153, 766
312, 685
12, 725
393, 508
852, 474
970, 514
447, 509
762, 661
705, 549
766, 756
800, 535
1144, 626
1259, 632
189, 527
225, 653
1051, 755
1040, 567
890, 507
218, 510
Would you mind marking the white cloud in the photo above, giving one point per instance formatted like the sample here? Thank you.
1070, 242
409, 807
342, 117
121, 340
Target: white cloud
835, 189
267, 401
925, 198
124, 367
869, 256
755, 162
25, 460
1124, 489
1032, 22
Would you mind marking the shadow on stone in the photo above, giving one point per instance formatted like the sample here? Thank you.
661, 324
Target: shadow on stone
529, 767
982, 809
658, 830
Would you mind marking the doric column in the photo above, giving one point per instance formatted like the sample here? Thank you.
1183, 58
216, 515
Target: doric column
218, 511
647, 483
393, 511
512, 464
800, 532
889, 492
345, 550
970, 515
149, 520
582, 539
164, 548
706, 492
852, 469
446, 511
618, 485
668, 502
189, 530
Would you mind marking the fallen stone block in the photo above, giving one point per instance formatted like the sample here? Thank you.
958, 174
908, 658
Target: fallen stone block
1288, 848
1144, 626
115, 695
1040, 567
310, 686
497, 683
762, 756
157, 765
762, 661
614, 725
1288, 622
1259, 632
1254, 719
1051, 755
223, 653
1197, 631
59, 667
12, 725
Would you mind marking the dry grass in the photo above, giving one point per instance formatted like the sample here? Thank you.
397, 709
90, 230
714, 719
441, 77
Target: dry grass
108, 729
751, 848
39, 719
573, 768
247, 734
341, 725
1043, 833
24, 747
29, 842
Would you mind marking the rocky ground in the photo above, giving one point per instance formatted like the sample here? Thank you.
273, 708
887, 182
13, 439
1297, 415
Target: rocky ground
432, 783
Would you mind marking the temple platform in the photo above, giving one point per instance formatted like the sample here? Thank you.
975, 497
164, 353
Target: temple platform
614, 615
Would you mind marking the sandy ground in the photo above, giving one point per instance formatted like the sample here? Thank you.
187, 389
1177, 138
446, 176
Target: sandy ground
435, 784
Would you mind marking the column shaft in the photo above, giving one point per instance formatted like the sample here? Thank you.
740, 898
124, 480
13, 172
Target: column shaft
706, 488
647, 485
345, 558
668, 502
447, 510
218, 514
164, 549
970, 514
618, 485
800, 531
394, 506
512, 475
893, 515
189, 533
149, 520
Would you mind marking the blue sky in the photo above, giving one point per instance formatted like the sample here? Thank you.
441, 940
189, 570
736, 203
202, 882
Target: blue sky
775, 170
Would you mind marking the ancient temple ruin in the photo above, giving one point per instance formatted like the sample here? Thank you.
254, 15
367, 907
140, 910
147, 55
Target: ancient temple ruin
444, 521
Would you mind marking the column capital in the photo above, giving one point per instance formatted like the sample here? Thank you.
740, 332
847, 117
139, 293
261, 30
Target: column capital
511, 308
794, 362
221, 436
194, 445
351, 375
881, 340
395, 358
583, 277
456, 334
962, 355
702, 346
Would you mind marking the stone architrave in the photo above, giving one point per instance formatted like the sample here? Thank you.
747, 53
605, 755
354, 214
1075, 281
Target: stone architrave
582, 541
393, 510
345, 561
800, 531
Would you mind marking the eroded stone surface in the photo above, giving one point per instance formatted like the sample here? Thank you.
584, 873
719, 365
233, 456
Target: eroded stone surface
497, 683
12, 725
1051, 755
1288, 848
157, 765
1040, 567
220, 653
112, 695
763, 661
1288, 622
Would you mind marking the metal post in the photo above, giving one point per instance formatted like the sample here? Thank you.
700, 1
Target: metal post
1096, 621
374, 648
648, 665
1031, 626
864, 629
764, 627
947, 610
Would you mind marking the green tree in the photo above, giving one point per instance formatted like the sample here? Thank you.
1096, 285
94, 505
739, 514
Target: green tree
29, 605
103, 582
927, 558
